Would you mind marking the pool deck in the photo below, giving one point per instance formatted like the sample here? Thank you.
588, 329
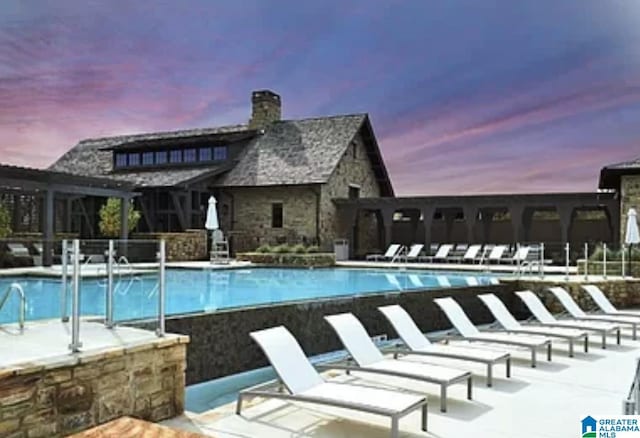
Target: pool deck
46, 343
545, 402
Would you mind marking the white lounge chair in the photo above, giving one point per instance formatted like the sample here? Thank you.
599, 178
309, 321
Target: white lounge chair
442, 254
304, 384
391, 253
414, 252
370, 360
605, 305
470, 332
511, 325
18, 250
496, 254
578, 314
520, 255
470, 255
418, 344
544, 317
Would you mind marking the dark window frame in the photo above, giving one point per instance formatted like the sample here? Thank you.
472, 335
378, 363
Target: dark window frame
190, 155
146, 156
277, 215
219, 153
202, 157
175, 153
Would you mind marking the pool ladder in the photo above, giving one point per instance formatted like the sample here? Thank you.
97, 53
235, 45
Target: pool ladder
23, 302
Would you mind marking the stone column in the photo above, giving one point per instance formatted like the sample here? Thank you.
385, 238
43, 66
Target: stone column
449, 217
527, 220
124, 218
487, 223
386, 215
516, 220
470, 218
427, 220
566, 215
48, 222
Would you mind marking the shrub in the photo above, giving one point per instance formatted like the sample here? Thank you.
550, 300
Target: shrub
5, 222
264, 249
110, 218
299, 249
313, 249
281, 249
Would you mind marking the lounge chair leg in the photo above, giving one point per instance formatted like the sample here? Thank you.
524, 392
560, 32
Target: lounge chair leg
489, 375
549, 351
470, 388
443, 398
570, 347
618, 337
586, 343
633, 334
424, 417
604, 340
533, 357
239, 405
508, 367
394, 427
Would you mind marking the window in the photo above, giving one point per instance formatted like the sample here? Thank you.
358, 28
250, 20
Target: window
134, 159
354, 192
175, 156
147, 158
204, 154
220, 153
189, 155
121, 160
161, 157
276, 215
354, 149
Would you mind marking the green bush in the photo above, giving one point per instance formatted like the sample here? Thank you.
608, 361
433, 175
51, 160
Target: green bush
615, 255
110, 218
299, 249
264, 249
281, 249
313, 249
5, 222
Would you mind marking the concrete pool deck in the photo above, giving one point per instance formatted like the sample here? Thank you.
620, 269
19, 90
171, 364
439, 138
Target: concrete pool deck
545, 402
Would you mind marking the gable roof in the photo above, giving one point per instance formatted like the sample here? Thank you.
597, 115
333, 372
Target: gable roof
610, 174
287, 152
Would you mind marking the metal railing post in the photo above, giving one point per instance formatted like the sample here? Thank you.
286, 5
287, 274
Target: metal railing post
623, 250
567, 260
541, 269
75, 300
109, 298
586, 262
604, 261
518, 258
65, 284
161, 289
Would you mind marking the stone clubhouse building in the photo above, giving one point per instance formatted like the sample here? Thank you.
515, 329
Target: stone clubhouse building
304, 181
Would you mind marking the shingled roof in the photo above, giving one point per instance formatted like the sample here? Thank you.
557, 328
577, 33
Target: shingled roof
610, 174
287, 152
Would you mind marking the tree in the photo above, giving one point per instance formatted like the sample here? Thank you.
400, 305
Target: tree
5, 222
110, 218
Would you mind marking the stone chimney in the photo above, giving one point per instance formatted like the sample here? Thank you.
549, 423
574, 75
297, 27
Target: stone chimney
265, 109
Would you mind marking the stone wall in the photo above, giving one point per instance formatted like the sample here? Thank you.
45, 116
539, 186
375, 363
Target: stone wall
146, 382
220, 344
629, 198
350, 170
621, 293
190, 245
252, 215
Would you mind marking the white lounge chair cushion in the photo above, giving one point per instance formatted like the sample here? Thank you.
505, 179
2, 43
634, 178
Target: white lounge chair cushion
415, 251
405, 327
435, 372
472, 252
472, 353
532, 341
592, 325
355, 338
574, 333
572, 307
500, 311
600, 299
443, 251
536, 307
497, 252
456, 315
394, 401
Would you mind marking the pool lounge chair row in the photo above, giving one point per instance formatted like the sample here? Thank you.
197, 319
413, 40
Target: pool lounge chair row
461, 253
305, 384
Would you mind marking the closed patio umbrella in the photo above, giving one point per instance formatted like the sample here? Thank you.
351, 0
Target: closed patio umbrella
212, 215
632, 236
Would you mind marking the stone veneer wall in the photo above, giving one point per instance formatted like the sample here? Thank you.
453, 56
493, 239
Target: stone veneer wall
190, 245
621, 293
252, 215
146, 382
350, 170
220, 344
629, 198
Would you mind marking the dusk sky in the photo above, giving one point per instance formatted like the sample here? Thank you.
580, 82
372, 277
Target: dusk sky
465, 96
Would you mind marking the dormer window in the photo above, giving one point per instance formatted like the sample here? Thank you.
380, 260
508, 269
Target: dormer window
161, 157
204, 154
147, 158
134, 159
169, 156
175, 156
121, 160
189, 155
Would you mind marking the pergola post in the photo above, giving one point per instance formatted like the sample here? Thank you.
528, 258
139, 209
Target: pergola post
449, 217
516, 220
470, 217
566, 214
427, 220
15, 214
68, 214
527, 221
487, 223
387, 221
124, 218
48, 219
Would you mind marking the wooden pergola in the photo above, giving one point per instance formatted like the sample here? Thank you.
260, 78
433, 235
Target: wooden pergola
48, 186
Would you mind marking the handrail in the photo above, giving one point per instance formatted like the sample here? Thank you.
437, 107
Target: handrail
630, 405
23, 302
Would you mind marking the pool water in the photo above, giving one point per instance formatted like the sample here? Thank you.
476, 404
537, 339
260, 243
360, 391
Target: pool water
190, 291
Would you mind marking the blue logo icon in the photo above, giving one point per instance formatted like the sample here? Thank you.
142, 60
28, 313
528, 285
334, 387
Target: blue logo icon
589, 427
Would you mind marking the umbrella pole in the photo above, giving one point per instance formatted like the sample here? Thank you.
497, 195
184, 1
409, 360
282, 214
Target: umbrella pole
629, 262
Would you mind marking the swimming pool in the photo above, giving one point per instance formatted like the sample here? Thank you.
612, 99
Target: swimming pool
192, 291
